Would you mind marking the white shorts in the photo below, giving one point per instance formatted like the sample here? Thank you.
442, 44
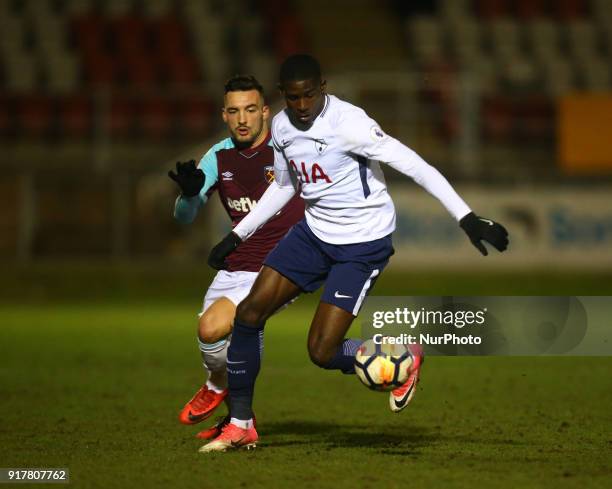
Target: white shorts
233, 285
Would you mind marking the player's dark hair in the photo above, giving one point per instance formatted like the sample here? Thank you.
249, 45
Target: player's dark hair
243, 83
299, 67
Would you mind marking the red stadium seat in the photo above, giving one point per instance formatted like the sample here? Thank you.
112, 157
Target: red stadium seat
491, 9
196, 115
131, 36
8, 126
101, 70
122, 117
156, 118
287, 31
181, 69
288, 36
170, 37
570, 9
529, 9
35, 115
535, 119
140, 72
497, 118
76, 116
91, 34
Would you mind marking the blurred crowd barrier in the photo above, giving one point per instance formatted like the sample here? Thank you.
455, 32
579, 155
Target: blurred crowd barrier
92, 216
550, 226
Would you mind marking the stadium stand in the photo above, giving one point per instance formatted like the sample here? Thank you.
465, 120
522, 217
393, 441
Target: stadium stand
57, 52
151, 67
522, 55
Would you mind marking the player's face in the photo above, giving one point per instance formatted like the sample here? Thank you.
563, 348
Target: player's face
246, 117
304, 99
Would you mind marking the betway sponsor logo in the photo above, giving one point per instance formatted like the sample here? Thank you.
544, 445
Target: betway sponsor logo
243, 205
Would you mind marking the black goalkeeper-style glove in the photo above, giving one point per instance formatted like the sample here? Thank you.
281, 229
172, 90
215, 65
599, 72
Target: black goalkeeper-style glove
478, 228
216, 258
188, 177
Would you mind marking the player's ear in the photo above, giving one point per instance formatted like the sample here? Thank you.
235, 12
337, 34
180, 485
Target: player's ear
265, 111
323, 86
280, 88
224, 115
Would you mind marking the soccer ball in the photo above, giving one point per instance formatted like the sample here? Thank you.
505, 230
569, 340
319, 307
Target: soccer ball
383, 367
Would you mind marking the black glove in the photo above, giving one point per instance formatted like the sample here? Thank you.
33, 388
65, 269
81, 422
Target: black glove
189, 178
478, 228
216, 258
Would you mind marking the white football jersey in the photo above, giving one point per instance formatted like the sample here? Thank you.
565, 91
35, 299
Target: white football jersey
336, 162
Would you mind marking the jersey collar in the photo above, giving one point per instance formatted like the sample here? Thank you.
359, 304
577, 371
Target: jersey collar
325, 106
250, 152
323, 110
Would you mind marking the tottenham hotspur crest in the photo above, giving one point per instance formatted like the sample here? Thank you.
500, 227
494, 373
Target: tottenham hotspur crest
321, 145
269, 174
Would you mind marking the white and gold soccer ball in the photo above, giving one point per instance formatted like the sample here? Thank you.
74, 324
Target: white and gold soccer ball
383, 367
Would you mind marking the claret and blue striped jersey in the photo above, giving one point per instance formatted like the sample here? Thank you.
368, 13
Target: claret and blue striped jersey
240, 177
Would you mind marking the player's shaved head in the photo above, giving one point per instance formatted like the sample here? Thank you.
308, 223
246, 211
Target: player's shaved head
299, 67
303, 88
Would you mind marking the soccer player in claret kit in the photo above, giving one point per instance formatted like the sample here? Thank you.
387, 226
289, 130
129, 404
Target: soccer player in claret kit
240, 168
330, 151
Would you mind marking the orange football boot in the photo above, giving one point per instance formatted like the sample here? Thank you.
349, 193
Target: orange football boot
400, 397
202, 405
232, 438
215, 430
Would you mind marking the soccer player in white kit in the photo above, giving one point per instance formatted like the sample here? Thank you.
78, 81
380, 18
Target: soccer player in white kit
329, 151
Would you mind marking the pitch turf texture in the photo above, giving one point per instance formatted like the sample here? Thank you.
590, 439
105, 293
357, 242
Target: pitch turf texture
96, 386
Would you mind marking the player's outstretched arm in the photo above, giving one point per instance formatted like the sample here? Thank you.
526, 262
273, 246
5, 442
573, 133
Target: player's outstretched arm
364, 137
361, 135
273, 200
477, 228
408, 162
190, 180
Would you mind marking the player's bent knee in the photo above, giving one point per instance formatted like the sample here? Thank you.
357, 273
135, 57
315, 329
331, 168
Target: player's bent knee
207, 336
320, 356
210, 329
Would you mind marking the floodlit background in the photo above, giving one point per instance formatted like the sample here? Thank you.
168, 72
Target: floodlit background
511, 100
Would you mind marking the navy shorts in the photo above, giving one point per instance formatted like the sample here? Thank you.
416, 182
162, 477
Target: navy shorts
349, 271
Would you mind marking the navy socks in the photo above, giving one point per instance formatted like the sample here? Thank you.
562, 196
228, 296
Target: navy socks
344, 359
243, 362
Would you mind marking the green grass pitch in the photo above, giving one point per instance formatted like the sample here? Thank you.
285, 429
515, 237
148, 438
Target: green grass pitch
96, 386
